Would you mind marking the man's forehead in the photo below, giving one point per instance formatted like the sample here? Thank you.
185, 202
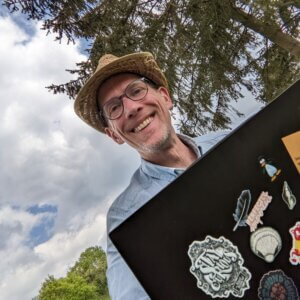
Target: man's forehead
118, 79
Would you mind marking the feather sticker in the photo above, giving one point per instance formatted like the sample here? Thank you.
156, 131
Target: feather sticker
242, 207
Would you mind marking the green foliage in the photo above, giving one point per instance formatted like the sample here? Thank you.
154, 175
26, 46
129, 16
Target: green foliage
85, 280
209, 50
72, 287
92, 266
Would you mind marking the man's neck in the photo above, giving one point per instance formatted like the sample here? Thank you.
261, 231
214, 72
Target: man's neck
175, 155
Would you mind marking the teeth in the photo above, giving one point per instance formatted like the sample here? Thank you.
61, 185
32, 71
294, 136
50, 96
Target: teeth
143, 125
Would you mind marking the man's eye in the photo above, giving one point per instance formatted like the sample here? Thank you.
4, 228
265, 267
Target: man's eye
137, 90
114, 107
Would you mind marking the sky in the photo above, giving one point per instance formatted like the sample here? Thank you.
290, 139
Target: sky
58, 176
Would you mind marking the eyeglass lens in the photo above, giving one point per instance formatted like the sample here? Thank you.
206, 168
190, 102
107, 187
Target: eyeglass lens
135, 91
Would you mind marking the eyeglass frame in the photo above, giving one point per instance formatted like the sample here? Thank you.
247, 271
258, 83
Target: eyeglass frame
102, 115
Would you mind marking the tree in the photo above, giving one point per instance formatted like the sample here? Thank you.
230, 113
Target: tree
92, 267
85, 280
209, 49
72, 287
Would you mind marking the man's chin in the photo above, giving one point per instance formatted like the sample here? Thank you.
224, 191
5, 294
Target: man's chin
153, 146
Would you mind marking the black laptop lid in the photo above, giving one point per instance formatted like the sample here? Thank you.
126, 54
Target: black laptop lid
199, 206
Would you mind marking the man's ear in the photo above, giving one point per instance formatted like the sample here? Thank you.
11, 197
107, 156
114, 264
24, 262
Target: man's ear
166, 96
113, 135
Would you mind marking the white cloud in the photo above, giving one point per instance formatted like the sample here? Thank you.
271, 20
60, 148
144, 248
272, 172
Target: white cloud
53, 257
48, 156
15, 225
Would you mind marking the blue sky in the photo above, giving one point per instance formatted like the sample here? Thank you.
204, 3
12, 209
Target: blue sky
37, 209
42, 231
59, 176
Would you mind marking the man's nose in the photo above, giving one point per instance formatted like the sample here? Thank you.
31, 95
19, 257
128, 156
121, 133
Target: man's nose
131, 107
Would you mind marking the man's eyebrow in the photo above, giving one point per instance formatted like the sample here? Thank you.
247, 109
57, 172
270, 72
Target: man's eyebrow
98, 99
124, 93
110, 99
113, 98
131, 83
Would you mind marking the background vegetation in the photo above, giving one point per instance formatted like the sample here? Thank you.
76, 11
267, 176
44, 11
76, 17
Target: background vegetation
86, 280
209, 49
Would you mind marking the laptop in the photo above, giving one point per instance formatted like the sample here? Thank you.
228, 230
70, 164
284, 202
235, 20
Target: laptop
227, 227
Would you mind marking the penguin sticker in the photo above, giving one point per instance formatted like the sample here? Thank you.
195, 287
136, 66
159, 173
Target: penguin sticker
268, 168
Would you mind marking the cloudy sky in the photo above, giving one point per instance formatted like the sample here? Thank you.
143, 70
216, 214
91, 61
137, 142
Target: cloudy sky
58, 175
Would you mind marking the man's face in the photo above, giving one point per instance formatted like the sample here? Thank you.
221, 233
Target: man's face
146, 124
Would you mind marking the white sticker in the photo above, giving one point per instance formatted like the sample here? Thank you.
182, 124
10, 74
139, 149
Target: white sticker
218, 267
288, 196
266, 243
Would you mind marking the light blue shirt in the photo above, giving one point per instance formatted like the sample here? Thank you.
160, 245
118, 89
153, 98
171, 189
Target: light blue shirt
146, 182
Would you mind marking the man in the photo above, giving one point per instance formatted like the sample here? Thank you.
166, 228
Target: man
128, 99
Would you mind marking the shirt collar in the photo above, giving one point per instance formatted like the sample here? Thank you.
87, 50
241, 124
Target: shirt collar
162, 172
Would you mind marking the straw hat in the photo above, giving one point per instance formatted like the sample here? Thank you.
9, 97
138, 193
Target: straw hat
142, 63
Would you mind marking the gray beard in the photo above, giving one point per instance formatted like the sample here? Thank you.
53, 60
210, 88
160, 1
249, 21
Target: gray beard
159, 146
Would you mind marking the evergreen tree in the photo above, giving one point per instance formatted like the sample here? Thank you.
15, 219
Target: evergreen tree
209, 50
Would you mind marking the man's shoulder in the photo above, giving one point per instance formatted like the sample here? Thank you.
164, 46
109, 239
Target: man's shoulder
207, 141
125, 204
130, 190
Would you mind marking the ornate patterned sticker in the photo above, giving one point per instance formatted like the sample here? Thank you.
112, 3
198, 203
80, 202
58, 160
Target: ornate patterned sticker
295, 251
276, 285
218, 267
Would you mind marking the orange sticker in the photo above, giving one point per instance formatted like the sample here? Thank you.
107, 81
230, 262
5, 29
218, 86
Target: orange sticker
292, 144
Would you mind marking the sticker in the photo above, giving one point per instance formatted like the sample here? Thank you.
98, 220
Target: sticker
288, 197
266, 243
276, 285
271, 170
295, 251
257, 211
218, 267
291, 143
241, 210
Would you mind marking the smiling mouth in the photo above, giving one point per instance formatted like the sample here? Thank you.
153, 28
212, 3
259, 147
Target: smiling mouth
145, 123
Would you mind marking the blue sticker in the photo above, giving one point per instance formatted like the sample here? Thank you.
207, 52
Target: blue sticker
269, 168
276, 285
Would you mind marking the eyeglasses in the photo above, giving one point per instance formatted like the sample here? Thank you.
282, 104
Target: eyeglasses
135, 91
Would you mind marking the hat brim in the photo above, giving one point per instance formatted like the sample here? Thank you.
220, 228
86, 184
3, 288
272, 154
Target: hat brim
142, 63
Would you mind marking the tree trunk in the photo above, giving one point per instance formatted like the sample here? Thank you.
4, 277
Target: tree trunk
271, 32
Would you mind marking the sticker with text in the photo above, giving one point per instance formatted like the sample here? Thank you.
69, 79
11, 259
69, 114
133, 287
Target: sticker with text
291, 143
276, 285
269, 168
266, 243
218, 267
257, 211
295, 251
288, 196
241, 216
